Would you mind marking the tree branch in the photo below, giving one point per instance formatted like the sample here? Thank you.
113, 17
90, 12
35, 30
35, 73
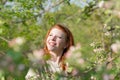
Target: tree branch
4, 39
52, 6
43, 11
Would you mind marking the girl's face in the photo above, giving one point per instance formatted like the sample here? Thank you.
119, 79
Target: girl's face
56, 40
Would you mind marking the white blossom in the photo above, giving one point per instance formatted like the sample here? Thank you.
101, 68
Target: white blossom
115, 47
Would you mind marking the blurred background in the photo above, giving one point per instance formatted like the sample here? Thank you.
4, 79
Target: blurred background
95, 25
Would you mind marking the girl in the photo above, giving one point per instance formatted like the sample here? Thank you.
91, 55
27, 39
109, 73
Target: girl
57, 42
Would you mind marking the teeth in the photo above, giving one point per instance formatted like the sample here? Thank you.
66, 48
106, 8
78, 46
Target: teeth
52, 43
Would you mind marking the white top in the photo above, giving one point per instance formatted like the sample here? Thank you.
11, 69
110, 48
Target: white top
53, 67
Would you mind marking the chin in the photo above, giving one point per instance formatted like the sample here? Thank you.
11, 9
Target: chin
51, 49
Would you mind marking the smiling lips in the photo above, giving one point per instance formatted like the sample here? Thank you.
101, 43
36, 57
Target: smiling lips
52, 43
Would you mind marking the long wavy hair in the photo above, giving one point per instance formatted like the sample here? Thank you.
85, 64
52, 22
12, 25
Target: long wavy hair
69, 40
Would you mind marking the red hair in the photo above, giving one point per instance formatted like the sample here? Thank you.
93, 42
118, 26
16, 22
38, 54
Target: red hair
69, 39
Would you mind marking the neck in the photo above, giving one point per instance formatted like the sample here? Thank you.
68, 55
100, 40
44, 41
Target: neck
55, 56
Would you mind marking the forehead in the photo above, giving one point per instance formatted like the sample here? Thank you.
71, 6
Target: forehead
57, 30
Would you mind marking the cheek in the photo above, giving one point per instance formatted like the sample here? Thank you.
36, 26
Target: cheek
61, 42
64, 41
46, 41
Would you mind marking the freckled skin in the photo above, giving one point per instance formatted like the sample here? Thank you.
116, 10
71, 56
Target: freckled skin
56, 40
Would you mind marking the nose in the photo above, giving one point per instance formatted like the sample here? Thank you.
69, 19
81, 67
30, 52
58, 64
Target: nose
53, 38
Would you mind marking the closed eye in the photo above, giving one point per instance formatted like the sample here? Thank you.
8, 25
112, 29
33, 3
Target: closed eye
60, 37
50, 34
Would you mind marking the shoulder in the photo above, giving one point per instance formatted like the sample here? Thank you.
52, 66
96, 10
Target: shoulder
38, 54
